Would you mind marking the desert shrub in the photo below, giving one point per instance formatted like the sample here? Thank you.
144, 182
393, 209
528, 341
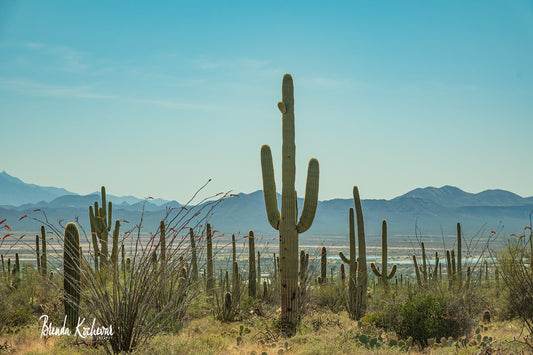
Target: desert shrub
425, 315
151, 291
516, 271
330, 295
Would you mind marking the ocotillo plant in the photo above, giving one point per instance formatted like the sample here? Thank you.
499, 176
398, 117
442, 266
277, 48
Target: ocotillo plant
323, 266
252, 275
210, 282
383, 276
44, 262
194, 261
287, 223
71, 267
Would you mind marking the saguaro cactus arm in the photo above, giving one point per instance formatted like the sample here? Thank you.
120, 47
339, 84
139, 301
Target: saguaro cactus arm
269, 187
311, 197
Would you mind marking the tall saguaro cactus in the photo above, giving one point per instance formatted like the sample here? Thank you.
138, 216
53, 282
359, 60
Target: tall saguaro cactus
287, 223
383, 276
71, 267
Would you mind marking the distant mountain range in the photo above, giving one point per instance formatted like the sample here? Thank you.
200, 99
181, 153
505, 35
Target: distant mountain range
434, 210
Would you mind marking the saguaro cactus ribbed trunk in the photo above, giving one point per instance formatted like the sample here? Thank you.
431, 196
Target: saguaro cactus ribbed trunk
383, 276
71, 267
252, 275
287, 223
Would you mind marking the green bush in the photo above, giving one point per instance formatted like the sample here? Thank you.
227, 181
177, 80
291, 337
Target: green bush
425, 315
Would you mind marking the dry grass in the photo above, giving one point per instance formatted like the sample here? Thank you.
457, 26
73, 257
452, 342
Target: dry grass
322, 332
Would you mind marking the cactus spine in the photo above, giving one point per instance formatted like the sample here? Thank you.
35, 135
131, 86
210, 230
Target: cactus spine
287, 223
252, 276
194, 260
383, 276
71, 267
210, 283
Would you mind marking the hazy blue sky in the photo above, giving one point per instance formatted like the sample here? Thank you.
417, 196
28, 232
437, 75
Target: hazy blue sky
153, 98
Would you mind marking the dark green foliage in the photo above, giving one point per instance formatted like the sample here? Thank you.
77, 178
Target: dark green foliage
426, 315
71, 274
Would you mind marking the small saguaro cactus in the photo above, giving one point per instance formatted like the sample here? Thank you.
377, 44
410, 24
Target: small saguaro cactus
304, 265
101, 221
383, 276
210, 282
233, 249
37, 253
459, 256
323, 266
236, 283
194, 261
357, 289
71, 267
163, 244
342, 278
3, 265
44, 263
258, 269
252, 275
286, 223
417, 271
16, 269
